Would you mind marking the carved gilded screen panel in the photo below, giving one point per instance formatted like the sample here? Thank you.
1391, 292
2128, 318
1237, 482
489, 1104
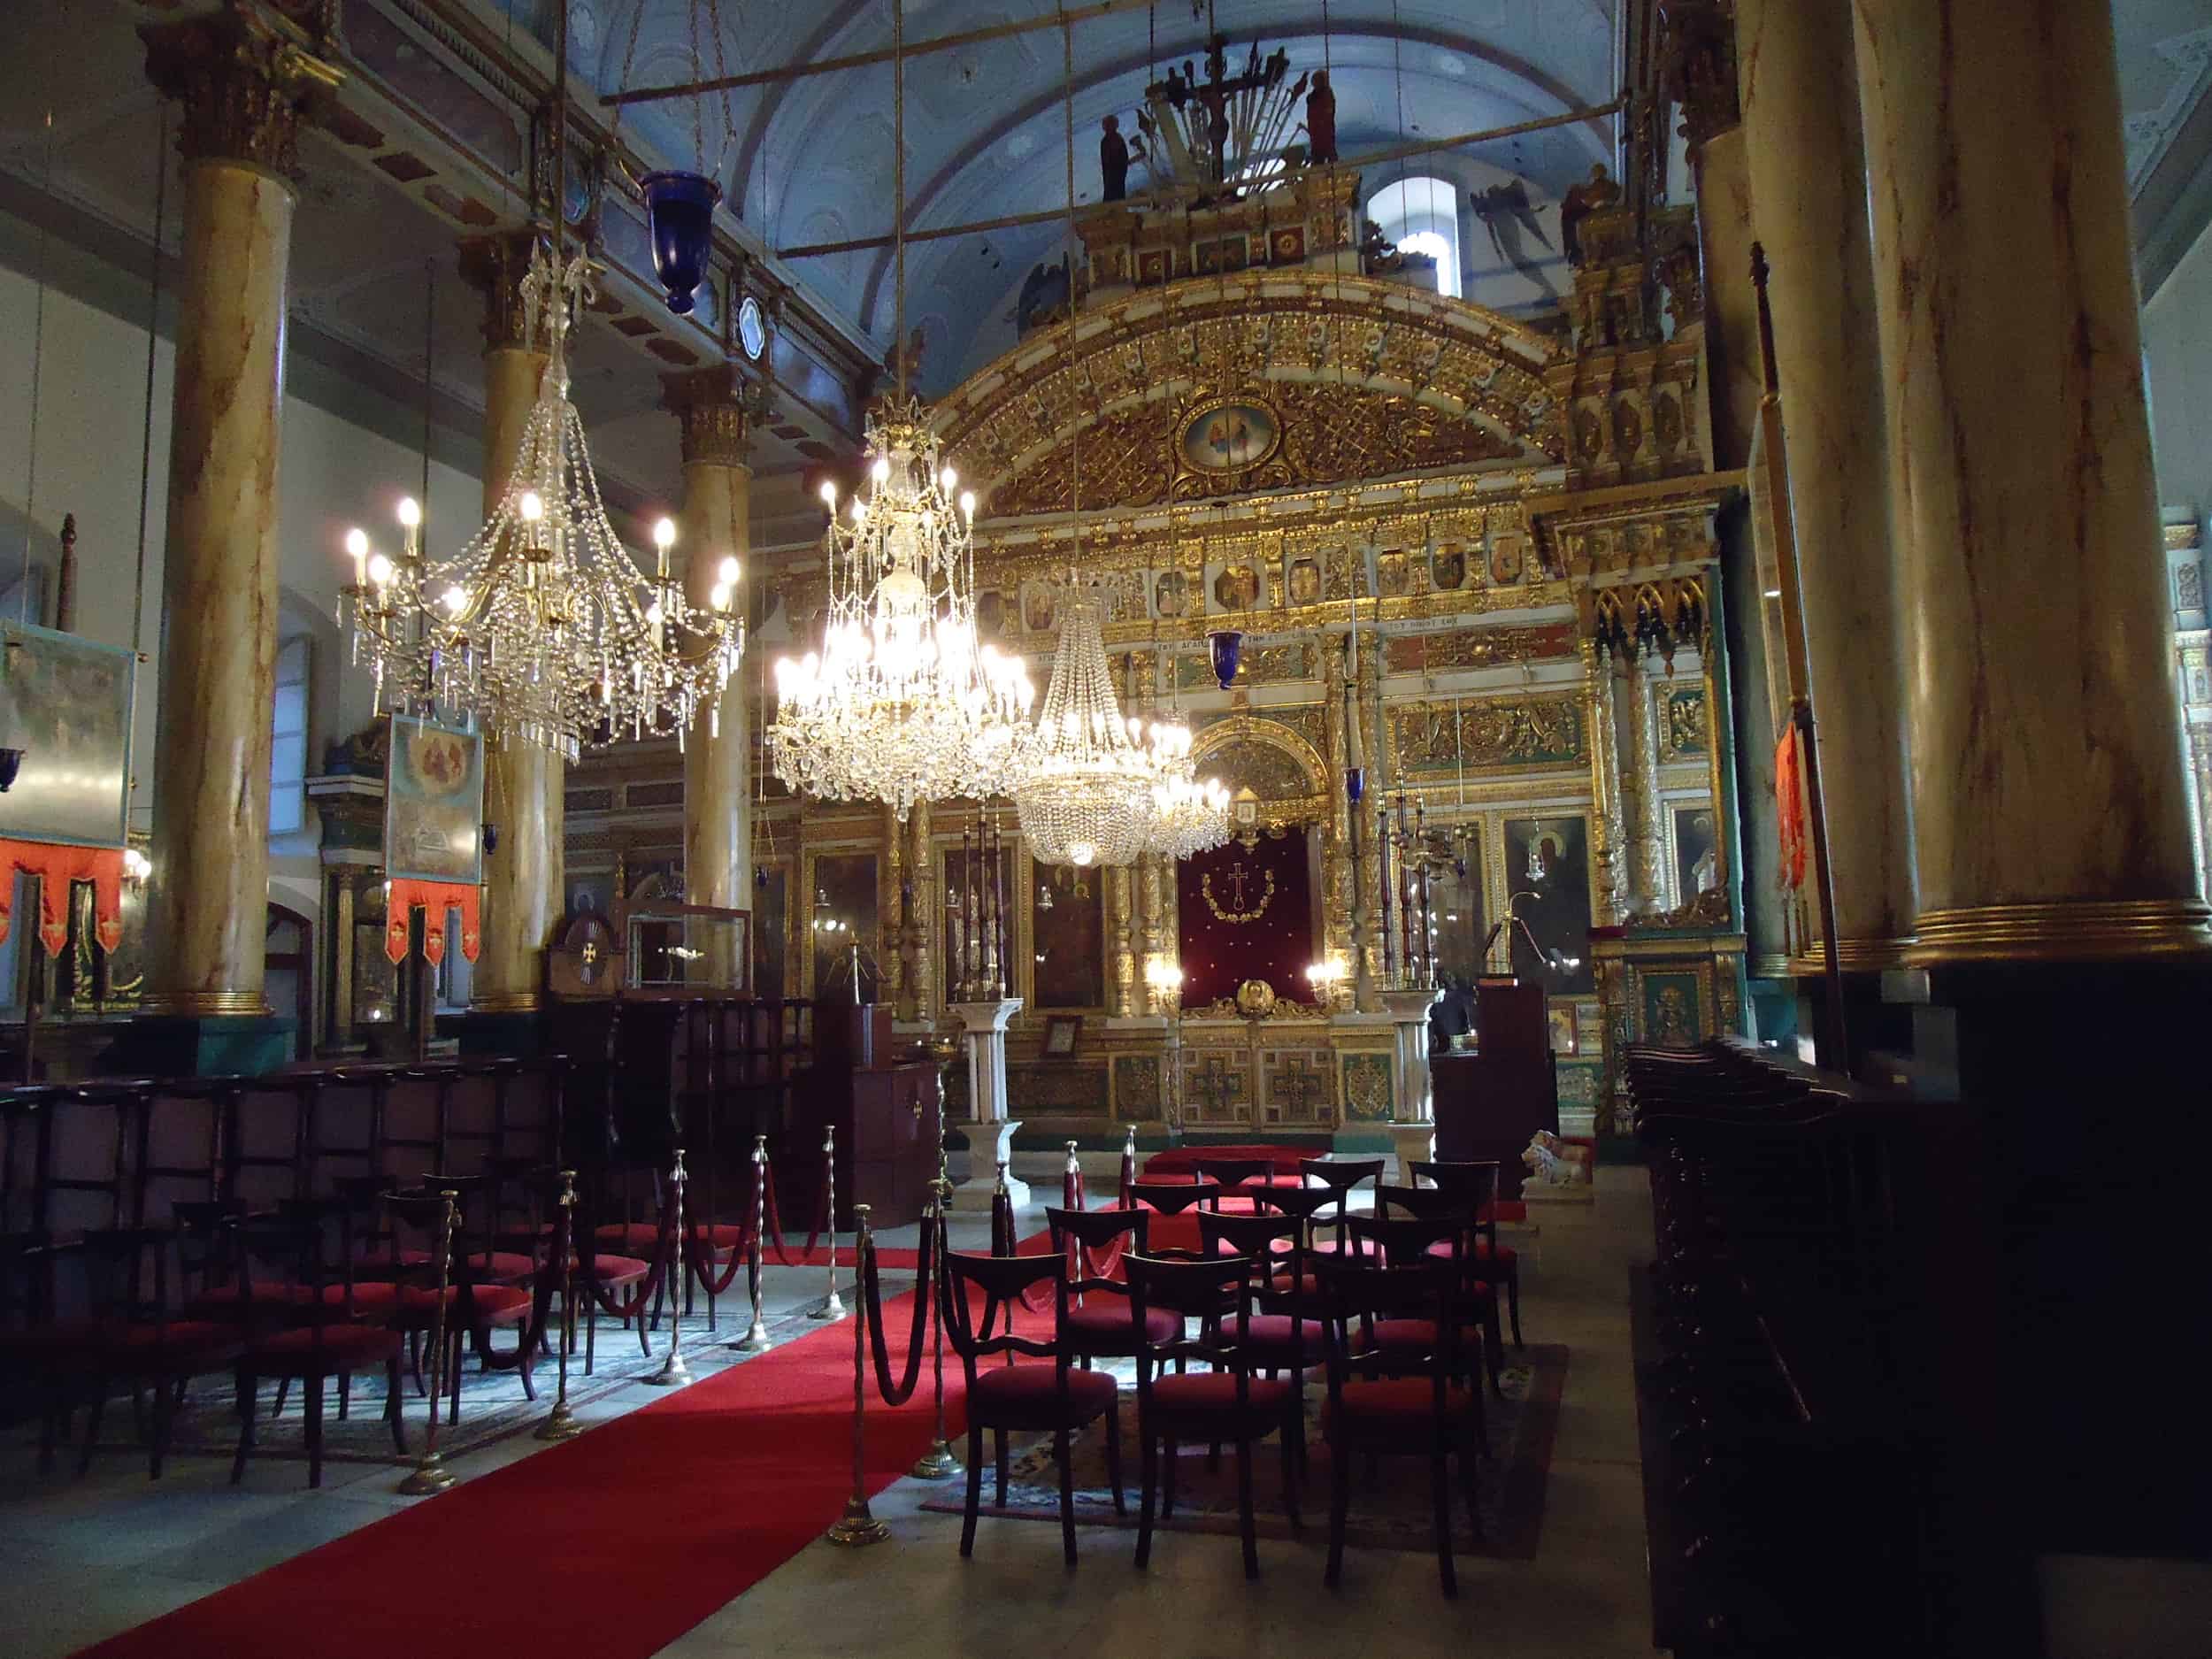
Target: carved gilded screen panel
1455, 902
1547, 859
1069, 930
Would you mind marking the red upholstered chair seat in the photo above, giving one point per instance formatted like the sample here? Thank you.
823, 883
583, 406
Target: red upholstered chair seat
632, 1238
225, 1302
1270, 1333
1412, 1335
1397, 1408
503, 1264
1204, 1395
343, 1348
384, 1264
1504, 1255
1112, 1319
613, 1270
721, 1235
1360, 1248
1183, 1160
1028, 1396
1172, 1233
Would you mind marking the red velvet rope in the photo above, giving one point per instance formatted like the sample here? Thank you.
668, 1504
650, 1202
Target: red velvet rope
775, 1218
871, 1286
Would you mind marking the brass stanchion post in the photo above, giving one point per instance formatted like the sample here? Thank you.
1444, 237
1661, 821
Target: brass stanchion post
673, 1370
756, 1337
834, 1308
560, 1423
858, 1527
430, 1476
938, 1463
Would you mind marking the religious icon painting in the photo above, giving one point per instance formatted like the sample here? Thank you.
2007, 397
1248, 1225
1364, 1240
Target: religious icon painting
1230, 434
1508, 559
1170, 593
1237, 588
1288, 245
1305, 582
65, 704
1153, 265
1448, 568
1391, 577
1037, 607
990, 613
434, 804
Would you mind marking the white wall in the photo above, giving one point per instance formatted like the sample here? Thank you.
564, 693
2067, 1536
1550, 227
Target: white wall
2177, 357
91, 408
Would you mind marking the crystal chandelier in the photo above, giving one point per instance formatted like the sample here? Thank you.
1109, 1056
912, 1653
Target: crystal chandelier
543, 628
1091, 792
901, 703
1189, 814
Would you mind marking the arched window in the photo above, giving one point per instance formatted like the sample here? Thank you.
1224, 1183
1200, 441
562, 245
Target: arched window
1422, 216
288, 748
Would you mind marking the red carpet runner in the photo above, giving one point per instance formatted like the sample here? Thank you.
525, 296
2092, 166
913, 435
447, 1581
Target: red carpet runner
613, 1544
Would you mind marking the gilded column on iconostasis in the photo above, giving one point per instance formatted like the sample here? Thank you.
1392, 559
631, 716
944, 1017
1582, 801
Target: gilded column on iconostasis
242, 77
1367, 697
1645, 841
892, 893
1340, 904
523, 782
1121, 985
714, 527
921, 932
2050, 814
1606, 837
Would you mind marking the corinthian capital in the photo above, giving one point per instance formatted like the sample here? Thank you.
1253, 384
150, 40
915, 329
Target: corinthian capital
245, 73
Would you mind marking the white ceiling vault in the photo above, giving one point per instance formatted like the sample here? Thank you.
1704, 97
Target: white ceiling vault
808, 161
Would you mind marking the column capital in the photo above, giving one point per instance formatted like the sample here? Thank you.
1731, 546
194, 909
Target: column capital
716, 408
245, 74
1697, 47
494, 265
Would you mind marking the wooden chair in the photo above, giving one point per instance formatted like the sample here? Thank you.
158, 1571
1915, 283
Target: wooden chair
1477, 1184
131, 1336
1101, 1322
1012, 1398
1237, 1177
1286, 1337
29, 1339
1225, 1403
1339, 1177
1397, 1399
320, 1332
1480, 1296
1439, 1234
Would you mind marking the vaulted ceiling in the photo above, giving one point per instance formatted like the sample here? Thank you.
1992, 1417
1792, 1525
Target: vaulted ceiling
808, 161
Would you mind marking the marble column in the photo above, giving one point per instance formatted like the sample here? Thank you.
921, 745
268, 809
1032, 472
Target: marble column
713, 528
1801, 121
2049, 816
984, 1023
523, 783
242, 81
1732, 319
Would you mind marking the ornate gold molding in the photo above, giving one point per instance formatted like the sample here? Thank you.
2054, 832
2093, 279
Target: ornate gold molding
2063, 930
1853, 955
245, 74
206, 1004
1697, 46
715, 408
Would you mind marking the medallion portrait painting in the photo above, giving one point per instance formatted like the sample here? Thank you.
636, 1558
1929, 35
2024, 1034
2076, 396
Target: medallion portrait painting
1547, 861
1231, 435
65, 705
434, 804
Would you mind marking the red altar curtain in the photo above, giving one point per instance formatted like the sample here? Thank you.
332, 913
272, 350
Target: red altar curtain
1223, 942
1789, 804
434, 898
58, 866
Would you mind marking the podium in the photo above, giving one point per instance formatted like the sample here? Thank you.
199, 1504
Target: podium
883, 1107
1490, 1103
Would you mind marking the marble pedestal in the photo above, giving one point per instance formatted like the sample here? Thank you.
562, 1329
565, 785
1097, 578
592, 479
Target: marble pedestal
984, 1024
1413, 1108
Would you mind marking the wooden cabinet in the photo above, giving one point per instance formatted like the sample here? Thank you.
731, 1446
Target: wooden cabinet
884, 1110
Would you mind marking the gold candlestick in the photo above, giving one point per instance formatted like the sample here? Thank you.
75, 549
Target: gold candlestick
756, 1337
834, 1308
939, 1463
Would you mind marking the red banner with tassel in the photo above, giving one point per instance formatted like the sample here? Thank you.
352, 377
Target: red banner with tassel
434, 899
57, 867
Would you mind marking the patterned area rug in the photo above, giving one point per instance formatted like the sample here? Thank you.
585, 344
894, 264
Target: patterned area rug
1390, 1506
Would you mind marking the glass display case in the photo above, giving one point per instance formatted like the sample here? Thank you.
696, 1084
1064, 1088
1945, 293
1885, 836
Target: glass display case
689, 948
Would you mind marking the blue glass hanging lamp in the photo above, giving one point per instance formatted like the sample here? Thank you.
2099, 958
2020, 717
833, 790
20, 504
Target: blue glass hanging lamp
680, 211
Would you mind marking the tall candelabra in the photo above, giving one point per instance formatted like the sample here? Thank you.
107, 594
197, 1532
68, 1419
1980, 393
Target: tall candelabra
1412, 855
975, 913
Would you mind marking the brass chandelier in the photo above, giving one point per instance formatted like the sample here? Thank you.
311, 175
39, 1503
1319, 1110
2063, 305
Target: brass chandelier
542, 627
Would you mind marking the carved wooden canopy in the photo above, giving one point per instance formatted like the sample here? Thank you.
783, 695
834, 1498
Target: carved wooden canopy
1260, 381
